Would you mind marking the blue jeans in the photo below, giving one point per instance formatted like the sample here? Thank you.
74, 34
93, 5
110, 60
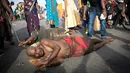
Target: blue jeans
92, 15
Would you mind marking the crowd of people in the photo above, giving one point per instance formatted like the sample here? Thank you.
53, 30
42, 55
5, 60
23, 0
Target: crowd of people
19, 11
58, 43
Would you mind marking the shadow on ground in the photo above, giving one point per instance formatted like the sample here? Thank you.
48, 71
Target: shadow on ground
117, 62
11, 52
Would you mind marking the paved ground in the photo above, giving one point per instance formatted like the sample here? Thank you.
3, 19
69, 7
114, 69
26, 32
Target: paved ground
112, 58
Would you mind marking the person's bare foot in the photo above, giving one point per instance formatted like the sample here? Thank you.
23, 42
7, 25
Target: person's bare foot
108, 40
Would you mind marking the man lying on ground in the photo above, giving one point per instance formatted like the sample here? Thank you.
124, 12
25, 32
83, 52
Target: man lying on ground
52, 53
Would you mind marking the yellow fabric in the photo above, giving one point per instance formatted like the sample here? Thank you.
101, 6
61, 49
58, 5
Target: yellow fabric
73, 15
60, 9
79, 2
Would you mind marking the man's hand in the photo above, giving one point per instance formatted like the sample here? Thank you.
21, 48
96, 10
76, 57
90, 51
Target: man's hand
104, 13
84, 17
22, 43
41, 64
12, 18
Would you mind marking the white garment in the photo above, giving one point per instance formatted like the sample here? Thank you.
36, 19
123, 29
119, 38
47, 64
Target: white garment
70, 21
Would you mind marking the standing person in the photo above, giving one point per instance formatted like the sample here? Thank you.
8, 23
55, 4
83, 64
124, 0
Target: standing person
72, 17
5, 28
97, 8
128, 9
52, 13
31, 15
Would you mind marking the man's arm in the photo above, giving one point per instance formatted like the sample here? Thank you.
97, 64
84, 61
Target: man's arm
65, 1
8, 9
38, 8
30, 40
6, 6
55, 49
124, 8
85, 10
103, 4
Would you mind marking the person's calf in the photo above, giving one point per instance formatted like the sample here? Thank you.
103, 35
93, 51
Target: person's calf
99, 45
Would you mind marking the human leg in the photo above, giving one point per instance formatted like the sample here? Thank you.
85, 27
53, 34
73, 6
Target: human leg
92, 15
101, 44
102, 22
9, 35
96, 44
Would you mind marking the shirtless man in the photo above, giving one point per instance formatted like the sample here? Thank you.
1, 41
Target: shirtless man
51, 53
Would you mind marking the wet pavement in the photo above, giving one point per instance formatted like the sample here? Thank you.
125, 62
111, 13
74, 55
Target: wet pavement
112, 58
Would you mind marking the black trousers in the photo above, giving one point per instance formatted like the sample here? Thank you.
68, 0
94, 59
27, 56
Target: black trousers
1, 43
128, 10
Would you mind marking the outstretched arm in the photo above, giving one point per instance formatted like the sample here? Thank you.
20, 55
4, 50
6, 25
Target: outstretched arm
30, 40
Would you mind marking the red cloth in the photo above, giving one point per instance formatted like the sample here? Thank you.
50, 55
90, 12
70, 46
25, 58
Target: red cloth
1, 20
113, 4
83, 44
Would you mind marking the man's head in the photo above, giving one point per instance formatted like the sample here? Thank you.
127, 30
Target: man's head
35, 52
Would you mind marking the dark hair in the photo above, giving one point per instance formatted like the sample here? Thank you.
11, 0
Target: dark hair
12, 3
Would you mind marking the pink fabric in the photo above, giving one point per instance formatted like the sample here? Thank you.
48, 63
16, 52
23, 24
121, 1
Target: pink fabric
83, 44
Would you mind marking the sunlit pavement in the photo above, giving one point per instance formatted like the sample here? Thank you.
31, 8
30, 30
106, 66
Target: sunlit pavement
112, 58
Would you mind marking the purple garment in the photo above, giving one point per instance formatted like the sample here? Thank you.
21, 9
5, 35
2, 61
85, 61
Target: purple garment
31, 17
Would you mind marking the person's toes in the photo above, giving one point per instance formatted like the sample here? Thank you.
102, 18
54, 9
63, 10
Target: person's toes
108, 40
